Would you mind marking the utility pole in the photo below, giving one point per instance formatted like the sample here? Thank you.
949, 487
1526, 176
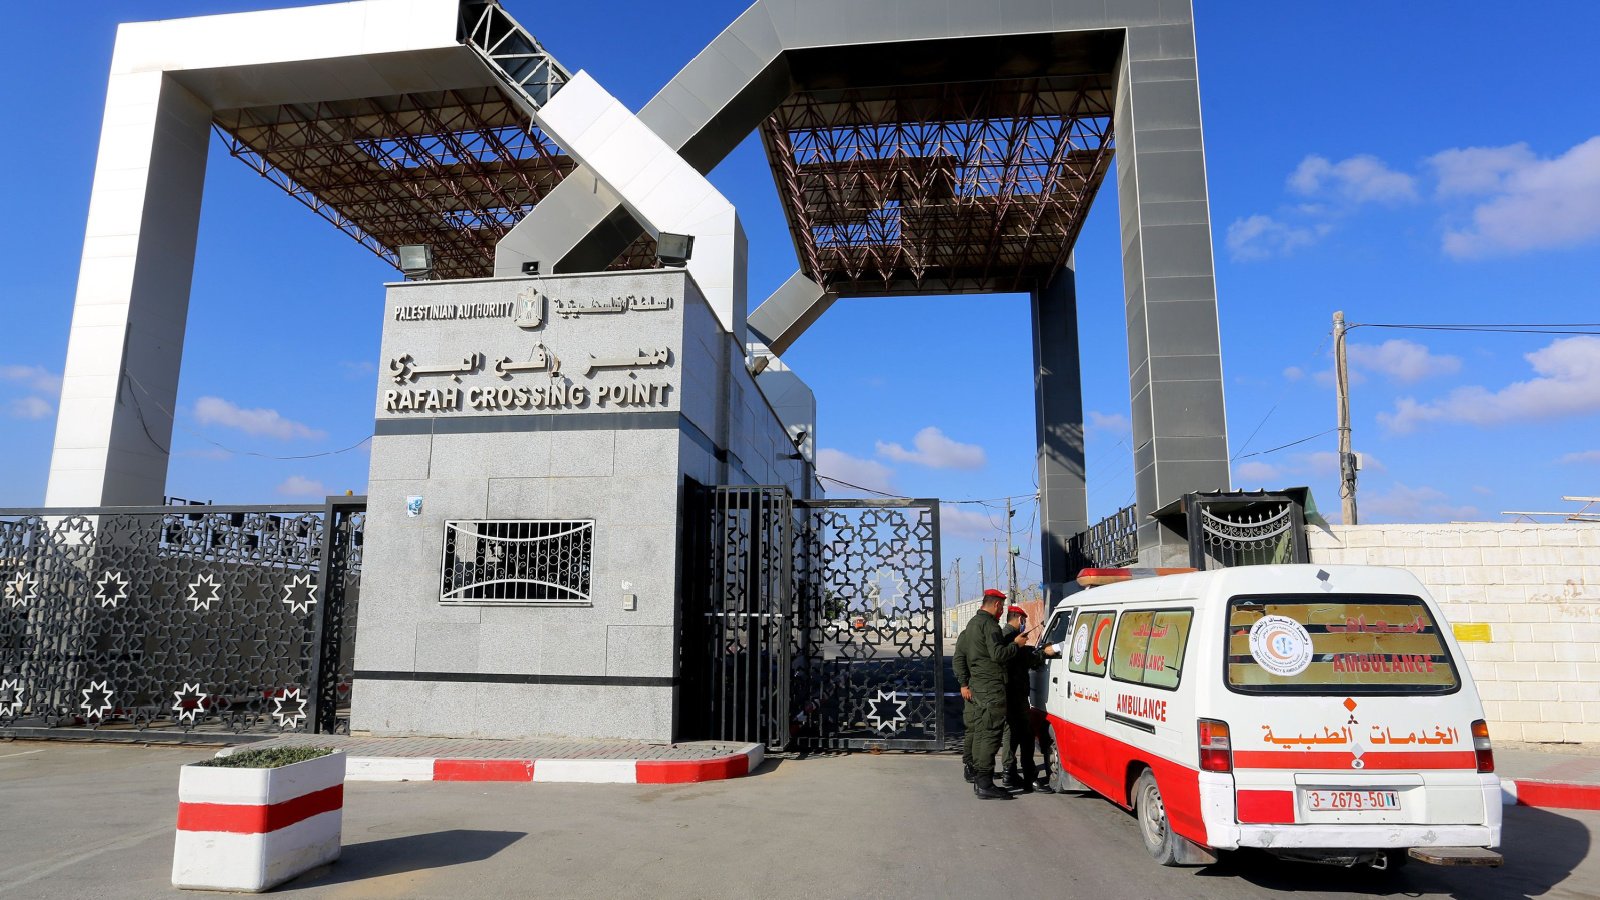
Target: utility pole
1011, 556
959, 596
983, 583
1347, 459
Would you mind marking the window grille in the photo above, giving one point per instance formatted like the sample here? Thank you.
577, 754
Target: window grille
517, 562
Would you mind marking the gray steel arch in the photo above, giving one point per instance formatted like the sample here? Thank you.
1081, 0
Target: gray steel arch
1174, 348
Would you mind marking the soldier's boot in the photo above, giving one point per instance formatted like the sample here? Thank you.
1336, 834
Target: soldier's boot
983, 786
1040, 781
1016, 782
967, 772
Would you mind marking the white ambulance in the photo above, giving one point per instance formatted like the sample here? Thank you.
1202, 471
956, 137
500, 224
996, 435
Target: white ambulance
1321, 713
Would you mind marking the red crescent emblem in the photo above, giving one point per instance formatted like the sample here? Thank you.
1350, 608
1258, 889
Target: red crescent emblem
1099, 658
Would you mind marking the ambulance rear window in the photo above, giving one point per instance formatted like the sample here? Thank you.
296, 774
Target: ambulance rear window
1336, 644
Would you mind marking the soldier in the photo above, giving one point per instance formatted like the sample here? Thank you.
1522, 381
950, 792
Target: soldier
982, 655
1019, 733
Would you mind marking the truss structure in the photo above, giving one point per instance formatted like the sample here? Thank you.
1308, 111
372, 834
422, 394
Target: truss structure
455, 169
977, 186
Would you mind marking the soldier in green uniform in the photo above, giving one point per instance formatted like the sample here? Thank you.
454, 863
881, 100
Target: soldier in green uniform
1019, 732
981, 657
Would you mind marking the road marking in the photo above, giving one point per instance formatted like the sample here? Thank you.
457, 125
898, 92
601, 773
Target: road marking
23, 753
123, 843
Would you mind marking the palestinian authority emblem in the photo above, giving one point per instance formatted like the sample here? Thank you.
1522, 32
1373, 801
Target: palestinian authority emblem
530, 309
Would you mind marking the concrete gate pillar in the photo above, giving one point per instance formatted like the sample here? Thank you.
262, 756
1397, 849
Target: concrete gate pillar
1058, 406
1180, 441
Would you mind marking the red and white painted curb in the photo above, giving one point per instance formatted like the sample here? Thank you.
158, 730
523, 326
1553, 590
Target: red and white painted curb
1549, 794
570, 771
250, 829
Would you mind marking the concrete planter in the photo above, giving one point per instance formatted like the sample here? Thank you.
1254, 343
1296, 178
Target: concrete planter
251, 829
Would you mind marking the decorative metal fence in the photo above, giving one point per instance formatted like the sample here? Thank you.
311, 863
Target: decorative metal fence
812, 623
1227, 530
1108, 543
178, 619
872, 658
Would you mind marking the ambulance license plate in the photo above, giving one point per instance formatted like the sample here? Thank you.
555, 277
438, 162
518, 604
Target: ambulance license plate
1352, 801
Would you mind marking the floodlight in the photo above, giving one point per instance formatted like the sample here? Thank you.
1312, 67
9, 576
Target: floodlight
674, 249
530, 267
416, 260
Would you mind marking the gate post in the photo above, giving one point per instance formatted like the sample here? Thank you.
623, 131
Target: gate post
322, 680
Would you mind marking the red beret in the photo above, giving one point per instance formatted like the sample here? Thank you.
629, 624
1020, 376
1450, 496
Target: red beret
991, 593
1017, 611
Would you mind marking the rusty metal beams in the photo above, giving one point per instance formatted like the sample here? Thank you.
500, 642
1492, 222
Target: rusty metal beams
454, 169
977, 186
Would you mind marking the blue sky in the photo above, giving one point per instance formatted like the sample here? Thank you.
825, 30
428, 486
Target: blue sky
1408, 162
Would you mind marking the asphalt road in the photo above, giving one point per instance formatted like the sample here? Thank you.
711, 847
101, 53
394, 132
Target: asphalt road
96, 821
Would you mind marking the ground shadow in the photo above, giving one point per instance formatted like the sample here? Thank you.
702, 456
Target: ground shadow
1541, 848
392, 856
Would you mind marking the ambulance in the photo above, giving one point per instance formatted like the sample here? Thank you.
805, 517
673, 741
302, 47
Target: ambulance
1320, 713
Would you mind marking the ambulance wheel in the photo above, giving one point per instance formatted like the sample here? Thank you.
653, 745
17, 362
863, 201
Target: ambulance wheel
1151, 814
1052, 765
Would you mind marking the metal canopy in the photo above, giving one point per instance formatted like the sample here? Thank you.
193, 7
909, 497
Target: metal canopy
935, 167
454, 169
976, 186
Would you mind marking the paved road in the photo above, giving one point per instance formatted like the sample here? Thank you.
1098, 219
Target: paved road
96, 821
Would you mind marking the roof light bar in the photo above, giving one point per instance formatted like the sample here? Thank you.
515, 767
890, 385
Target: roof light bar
1094, 577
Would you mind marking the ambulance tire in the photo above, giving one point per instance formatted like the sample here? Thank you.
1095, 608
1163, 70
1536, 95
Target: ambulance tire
1059, 780
1151, 814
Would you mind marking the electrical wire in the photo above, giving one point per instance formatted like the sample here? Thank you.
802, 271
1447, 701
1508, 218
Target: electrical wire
1553, 328
139, 409
1288, 445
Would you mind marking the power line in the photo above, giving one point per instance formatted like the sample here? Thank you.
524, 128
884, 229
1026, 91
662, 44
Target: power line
858, 487
1288, 445
139, 408
1554, 328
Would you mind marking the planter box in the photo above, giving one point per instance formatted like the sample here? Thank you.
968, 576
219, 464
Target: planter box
251, 829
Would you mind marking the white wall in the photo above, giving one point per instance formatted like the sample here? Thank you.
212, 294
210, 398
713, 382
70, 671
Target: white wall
1537, 587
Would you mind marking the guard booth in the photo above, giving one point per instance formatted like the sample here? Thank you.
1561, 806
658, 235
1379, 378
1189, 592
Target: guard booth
812, 624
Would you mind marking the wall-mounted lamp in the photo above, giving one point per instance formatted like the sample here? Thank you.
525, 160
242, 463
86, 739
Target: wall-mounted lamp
416, 260
759, 364
674, 249
531, 267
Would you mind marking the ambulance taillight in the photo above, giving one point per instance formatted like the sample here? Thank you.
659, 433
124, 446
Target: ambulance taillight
1216, 750
1482, 747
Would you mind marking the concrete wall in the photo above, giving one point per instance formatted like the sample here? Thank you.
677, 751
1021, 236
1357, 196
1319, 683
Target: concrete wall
1536, 587
591, 670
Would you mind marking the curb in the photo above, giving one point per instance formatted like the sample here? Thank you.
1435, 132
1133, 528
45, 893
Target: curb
1549, 794
557, 771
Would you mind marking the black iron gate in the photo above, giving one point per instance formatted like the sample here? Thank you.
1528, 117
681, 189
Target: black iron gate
178, 620
812, 623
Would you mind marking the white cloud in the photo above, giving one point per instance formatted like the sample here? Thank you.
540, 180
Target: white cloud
1256, 474
1582, 456
1408, 504
935, 451
1533, 204
35, 377
1110, 423
260, 422
1568, 384
1263, 237
300, 486
358, 369
1403, 361
1359, 179
867, 473
30, 408
1478, 170
1294, 373
972, 524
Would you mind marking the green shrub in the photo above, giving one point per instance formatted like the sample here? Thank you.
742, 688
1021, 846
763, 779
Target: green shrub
270, 758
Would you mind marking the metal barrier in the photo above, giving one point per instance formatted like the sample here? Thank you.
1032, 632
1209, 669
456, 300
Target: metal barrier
812, 623
178, 620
